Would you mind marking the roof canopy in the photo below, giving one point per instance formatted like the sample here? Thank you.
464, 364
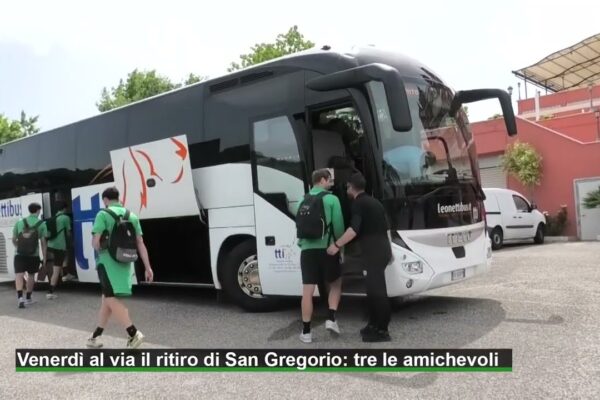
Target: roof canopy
575, 66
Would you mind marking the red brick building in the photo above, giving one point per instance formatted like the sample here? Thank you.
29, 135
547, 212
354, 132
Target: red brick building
564, 127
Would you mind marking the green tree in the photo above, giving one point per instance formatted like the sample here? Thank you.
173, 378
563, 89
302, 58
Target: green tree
28, 124
15, 129
138, 86
524, 163
592, 200
285, 43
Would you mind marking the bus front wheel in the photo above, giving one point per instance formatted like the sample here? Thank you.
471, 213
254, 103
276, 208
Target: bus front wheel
240, 279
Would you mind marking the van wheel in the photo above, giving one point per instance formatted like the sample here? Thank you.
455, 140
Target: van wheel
241, 281
539, 235
497, 238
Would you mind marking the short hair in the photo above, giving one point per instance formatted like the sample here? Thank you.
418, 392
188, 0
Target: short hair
61, 205
358, 181
319, 174
34, 207
112, 193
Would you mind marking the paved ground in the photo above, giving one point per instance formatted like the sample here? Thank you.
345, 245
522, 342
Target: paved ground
541, 301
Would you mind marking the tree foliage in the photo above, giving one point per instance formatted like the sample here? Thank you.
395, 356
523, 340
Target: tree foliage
138, 86
15, 129
285, 43
592, 200
524, 163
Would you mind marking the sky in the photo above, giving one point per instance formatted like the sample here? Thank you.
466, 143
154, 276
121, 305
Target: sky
55, 57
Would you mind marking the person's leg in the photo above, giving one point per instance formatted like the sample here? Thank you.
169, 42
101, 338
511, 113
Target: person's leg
118, 311
103, 317
379, 306
19, 277
335, 294
308, 292
310, 280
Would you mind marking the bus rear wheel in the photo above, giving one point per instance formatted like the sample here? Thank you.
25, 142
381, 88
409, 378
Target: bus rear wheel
240, 279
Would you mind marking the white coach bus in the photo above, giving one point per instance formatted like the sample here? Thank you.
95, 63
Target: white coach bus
216, 170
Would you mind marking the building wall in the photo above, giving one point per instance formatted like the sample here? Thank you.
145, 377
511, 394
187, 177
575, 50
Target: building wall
564, 159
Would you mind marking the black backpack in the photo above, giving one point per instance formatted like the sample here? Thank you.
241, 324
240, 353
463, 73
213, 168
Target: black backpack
310, 218
27, 240
52, 228
122, 241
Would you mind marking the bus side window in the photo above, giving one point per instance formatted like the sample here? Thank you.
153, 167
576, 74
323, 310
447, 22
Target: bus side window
278, 165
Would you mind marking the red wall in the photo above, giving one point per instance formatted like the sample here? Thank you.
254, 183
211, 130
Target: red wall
559, 99
563, 160
582, 127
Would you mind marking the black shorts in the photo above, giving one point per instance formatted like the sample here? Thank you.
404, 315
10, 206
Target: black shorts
58, 256
105, 285
30, 264
316, 264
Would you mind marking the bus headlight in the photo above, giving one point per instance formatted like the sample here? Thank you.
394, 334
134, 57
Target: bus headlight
415, 267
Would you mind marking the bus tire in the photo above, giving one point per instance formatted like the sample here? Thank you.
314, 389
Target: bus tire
240, 281
497, 238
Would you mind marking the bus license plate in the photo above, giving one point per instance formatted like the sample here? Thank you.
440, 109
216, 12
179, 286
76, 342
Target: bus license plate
458, 274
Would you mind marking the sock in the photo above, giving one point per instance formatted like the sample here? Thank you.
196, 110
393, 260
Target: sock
51, 290
131, 331
28, 295
305, 327
19, 294
331, 315
97, 332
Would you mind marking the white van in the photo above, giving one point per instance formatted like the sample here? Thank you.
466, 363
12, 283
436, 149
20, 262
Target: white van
511, 217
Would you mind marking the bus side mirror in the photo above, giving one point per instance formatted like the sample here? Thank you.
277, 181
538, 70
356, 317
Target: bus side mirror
470, 96
355, 77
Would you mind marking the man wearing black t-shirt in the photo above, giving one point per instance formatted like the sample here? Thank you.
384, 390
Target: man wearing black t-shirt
370, 226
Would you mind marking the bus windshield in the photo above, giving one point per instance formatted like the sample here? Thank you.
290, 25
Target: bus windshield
431, 166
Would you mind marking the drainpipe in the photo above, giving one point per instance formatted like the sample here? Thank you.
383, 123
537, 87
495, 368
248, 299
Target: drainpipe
537, 105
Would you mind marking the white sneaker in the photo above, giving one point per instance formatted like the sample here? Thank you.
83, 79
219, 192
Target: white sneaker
29, 302
135, 341
332, 326
69, 277
94, 343
306, 337
51, 296
21, 302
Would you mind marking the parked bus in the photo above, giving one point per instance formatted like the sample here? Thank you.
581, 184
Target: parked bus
216, 171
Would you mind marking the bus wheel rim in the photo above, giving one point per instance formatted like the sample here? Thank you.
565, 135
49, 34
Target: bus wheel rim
248, 278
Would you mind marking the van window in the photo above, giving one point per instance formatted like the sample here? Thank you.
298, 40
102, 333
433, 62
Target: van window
521, 203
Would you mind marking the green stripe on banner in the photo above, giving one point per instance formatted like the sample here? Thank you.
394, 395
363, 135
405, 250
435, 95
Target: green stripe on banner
261, 369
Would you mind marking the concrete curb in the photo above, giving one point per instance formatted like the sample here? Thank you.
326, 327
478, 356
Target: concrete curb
560, 239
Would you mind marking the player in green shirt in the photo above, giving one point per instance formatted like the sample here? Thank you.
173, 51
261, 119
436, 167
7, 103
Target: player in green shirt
316, 265
27, 232
115, 277
59, 231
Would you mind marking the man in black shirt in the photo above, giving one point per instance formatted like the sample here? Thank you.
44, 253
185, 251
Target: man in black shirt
370, 226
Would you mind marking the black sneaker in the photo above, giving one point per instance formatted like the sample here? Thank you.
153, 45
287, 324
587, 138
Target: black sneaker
377, 336
367, 329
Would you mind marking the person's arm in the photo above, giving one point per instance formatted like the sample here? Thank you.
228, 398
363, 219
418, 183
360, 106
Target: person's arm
97, 230
15, 234
141, 246
337, 217
44, 250
143, 251
350, 233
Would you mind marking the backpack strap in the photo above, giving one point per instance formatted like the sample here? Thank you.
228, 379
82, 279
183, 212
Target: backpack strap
126, 216
38, 224
25, 224
112, 214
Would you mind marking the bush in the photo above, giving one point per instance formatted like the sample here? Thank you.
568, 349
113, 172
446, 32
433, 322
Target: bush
555, 225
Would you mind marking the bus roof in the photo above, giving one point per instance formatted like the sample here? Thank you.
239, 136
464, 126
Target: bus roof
322, 60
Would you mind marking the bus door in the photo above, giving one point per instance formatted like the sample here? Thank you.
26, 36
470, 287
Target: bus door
279, 179
339, 143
